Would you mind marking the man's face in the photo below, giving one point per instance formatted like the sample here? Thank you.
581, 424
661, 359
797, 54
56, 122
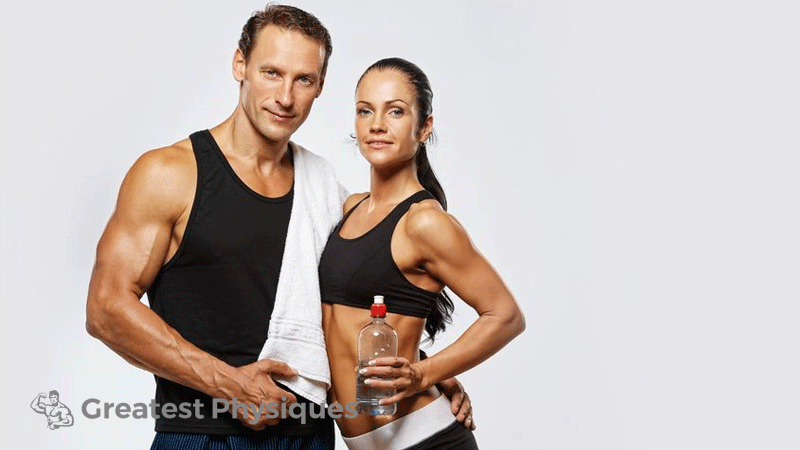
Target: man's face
280, 81
53, 399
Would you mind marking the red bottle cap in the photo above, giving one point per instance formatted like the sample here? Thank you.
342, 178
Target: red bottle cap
378, 308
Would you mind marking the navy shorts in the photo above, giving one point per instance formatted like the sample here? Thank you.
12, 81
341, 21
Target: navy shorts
322, 440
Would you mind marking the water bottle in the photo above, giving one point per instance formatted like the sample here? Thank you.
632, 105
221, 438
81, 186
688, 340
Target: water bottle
375, 340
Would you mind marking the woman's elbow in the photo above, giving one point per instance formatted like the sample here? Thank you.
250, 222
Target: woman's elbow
515, 322
519, 322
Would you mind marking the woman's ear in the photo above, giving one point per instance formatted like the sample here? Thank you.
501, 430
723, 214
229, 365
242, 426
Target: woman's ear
427, 129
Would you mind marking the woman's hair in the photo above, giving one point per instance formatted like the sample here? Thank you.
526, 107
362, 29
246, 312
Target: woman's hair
441, 314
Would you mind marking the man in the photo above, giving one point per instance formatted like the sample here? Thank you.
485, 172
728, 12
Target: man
57, 413
205, 227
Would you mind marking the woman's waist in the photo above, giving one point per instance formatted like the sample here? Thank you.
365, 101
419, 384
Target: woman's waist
364, 423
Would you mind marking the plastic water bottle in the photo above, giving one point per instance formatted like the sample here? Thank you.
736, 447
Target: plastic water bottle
375, 340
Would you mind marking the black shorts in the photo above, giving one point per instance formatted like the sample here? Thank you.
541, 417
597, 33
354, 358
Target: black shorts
455, 437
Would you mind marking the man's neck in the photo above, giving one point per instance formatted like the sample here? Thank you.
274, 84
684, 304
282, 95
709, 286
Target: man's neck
236, 135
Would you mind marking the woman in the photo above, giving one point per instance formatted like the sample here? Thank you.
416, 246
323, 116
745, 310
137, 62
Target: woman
398, 241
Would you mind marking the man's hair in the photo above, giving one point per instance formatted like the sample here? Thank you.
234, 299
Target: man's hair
52, 393
289, 18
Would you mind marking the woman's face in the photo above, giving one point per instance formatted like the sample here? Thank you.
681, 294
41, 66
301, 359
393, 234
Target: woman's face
387, 118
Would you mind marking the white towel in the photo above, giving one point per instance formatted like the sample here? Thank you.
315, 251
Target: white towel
295, 328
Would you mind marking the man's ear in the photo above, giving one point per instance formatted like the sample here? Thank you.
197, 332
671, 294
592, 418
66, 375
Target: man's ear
319, 88
239, 65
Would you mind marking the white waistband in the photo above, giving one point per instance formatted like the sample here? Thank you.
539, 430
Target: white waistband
407, 430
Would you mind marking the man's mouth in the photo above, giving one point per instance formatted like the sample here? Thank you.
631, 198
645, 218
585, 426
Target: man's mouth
280, 117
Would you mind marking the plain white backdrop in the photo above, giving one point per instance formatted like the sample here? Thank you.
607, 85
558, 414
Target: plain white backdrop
629, 167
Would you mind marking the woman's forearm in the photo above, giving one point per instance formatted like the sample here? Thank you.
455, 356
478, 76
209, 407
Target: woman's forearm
485, 337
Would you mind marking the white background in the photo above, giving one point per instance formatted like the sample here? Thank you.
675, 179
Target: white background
630, 168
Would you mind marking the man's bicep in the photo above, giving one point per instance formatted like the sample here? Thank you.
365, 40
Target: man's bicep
130, 253
136, 240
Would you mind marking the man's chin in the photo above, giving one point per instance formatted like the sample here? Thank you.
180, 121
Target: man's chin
280, 133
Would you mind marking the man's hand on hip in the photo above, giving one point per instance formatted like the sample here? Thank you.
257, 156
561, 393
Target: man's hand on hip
252, 385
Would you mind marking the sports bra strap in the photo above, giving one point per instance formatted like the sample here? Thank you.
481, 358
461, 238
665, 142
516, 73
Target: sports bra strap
350, 211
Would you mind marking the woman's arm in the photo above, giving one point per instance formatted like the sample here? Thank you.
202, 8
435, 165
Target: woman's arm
447, 254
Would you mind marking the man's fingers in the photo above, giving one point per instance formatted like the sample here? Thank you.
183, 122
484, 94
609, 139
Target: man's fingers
464, 409
455, 403
470, 423
288, 396
279, 368
253, 426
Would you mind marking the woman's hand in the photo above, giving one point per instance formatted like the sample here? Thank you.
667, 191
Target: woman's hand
394, 372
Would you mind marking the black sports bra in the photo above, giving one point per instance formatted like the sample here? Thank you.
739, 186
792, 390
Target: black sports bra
352, 271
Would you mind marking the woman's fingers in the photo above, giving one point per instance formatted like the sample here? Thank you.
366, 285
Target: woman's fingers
388, 383
394, 361
393, 399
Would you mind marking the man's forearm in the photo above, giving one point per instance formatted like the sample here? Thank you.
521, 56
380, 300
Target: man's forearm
136, 333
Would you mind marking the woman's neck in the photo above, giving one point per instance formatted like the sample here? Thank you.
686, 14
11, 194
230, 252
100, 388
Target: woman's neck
393, 186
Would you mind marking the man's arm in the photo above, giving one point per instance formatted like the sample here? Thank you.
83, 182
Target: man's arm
154, 196
36, 404
65, 418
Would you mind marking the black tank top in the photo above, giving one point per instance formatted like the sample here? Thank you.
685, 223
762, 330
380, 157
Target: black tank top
218, 290
352, 271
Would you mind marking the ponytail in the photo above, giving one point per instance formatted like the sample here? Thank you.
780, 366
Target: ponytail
426, 176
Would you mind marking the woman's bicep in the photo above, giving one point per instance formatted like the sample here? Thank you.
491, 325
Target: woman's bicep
449, 255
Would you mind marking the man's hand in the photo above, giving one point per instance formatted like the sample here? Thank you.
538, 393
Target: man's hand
253, 385
460, 403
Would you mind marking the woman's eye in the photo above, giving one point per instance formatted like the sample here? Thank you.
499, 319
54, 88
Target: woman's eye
396, 112
362, 112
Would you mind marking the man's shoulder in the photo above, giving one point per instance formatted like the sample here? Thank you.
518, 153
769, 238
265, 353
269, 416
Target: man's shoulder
173, 165
178, 156
161, 180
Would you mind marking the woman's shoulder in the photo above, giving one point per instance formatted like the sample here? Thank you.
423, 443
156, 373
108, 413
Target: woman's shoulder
435, 233
427, 220
352, 200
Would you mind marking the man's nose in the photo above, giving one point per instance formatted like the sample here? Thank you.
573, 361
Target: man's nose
285, 96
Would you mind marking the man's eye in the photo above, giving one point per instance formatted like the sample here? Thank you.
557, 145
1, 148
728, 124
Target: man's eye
306, 80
